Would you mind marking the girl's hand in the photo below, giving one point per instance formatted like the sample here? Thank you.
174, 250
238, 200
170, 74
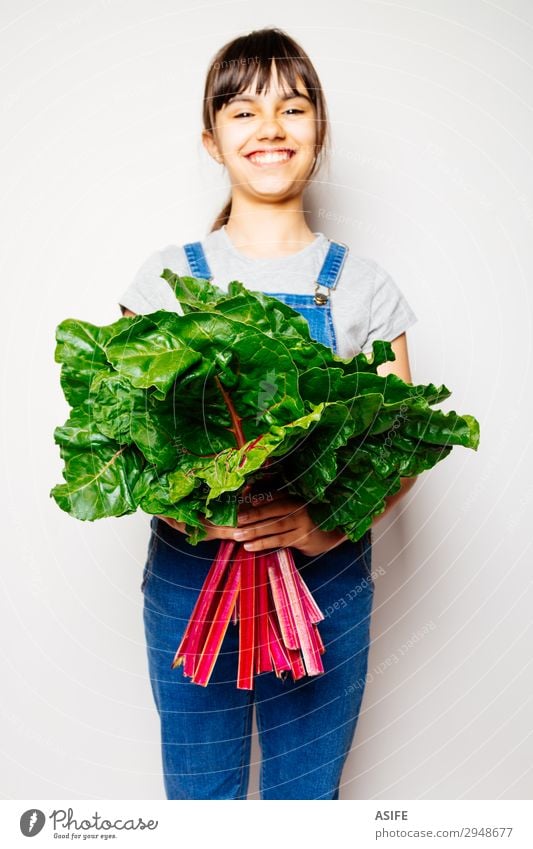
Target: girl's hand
281, 523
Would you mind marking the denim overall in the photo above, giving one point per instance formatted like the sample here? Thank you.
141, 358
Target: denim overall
305, 727
315, 308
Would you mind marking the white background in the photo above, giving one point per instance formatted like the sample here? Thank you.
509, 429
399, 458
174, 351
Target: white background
431, 115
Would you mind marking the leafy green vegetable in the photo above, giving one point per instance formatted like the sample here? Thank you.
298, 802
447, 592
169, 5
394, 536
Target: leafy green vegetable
177, 414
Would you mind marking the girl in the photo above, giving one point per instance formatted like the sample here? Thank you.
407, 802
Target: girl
265, 121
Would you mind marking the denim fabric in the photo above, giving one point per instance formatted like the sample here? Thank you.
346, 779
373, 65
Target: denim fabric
305, 727
319, 318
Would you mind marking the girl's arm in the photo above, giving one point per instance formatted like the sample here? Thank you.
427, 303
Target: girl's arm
402, 369
400, 366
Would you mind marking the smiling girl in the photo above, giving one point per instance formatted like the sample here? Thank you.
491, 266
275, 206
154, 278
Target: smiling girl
265, 122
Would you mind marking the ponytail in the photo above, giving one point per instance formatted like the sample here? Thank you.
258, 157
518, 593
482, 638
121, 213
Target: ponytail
222, 217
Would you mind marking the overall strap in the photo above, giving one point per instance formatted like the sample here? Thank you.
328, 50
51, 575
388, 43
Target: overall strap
197, 260
331, 270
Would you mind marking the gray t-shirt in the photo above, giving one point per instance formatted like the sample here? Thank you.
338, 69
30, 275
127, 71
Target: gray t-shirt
366, 305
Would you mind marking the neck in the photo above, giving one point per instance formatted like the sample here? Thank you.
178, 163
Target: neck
268, 230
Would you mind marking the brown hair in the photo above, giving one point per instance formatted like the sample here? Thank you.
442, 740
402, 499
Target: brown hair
233, 69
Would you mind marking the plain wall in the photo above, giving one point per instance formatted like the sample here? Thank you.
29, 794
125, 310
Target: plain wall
430, 107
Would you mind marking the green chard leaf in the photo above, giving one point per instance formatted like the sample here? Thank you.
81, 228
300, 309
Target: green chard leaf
178, 415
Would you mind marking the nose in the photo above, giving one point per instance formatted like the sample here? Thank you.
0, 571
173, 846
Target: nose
270, 128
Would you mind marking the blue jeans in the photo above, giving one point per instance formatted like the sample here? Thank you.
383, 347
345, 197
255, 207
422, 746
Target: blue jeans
305, 727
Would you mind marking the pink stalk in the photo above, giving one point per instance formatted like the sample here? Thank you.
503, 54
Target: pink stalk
263, 659
311, 655
315, 613
236, 614
282, 604
297, 664
318, 639
277, 618
219, 626
203, 609
202, 614
295, 641
309, 607
313, 631
278, 653
291, 655
245, 675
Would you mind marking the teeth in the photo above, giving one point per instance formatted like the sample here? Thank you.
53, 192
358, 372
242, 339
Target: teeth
279, 156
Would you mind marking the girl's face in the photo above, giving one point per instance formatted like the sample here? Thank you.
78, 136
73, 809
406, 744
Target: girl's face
266, 141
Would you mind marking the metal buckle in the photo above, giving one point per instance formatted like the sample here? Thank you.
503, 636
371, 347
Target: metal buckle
321, 298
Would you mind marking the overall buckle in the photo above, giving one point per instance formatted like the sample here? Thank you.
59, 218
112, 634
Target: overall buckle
321, 298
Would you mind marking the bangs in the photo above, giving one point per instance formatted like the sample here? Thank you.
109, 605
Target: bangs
252, 57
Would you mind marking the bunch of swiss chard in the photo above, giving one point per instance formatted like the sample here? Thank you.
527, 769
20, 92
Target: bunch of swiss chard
185, 415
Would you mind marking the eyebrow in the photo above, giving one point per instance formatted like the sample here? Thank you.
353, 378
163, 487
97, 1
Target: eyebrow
252, 98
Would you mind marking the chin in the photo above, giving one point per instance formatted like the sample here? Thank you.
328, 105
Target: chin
272, 186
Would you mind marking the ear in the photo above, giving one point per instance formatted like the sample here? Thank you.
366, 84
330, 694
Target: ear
210, 145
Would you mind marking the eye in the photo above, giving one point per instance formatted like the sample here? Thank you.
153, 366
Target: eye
292, 109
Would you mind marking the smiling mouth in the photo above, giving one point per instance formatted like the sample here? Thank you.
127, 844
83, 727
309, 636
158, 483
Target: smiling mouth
278, 157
